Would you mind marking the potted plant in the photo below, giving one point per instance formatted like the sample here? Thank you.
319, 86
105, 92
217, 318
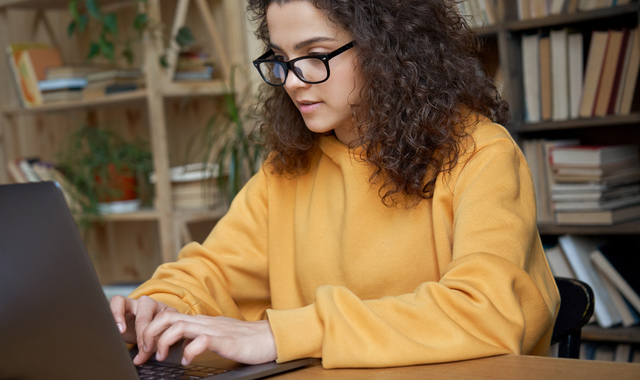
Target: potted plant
106, 170
229, 144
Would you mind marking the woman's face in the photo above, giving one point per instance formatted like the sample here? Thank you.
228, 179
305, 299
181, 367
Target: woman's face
297, 28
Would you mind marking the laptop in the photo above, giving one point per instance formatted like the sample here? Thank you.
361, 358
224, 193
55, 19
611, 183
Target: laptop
55, 321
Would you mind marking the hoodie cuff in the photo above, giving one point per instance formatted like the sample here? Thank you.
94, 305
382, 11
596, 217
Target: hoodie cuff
298, 333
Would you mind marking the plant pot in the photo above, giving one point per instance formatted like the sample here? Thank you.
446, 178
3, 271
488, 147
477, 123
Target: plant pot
120, 185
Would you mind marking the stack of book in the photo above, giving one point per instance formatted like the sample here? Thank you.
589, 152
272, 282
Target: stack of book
112, 81
194, 186
595, 185
560, 85
609, 266
193, 65
29, 63
531, 9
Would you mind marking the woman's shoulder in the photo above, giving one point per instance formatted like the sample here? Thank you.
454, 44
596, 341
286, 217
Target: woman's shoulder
486, 132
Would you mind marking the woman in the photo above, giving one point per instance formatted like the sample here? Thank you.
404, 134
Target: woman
393, 222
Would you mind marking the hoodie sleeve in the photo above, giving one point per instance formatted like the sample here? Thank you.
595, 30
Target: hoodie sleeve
227, 274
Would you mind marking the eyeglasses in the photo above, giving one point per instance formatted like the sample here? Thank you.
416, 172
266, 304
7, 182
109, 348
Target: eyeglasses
310, 69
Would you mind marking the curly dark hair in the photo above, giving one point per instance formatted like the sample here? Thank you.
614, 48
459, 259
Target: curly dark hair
423, 81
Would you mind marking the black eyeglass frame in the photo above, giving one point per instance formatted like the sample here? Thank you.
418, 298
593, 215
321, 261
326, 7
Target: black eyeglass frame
289, 64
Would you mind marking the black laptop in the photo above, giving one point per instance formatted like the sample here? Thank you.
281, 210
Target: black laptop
55, 321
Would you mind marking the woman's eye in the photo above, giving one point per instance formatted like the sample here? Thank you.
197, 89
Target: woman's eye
280, 58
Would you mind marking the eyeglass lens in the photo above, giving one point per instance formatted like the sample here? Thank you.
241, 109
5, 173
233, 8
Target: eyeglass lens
307, 69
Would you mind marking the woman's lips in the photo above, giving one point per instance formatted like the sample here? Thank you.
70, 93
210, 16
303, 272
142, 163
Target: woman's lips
308, 107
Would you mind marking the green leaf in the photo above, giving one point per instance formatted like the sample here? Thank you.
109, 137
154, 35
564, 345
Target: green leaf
163, 61
82, 23
73, 9
110, 23
127, 53
106, 48
71, 28
94, 50
140, 22
185, 37
92, 7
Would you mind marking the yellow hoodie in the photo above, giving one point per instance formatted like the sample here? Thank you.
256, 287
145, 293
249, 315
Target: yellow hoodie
343, 277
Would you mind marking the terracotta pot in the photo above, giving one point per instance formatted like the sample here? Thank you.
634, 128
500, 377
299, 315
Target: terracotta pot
121, 185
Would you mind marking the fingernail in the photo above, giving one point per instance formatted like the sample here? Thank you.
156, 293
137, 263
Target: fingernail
121, 328
185, 361
158, 356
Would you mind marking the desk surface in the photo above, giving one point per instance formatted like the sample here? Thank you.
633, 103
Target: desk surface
494, 368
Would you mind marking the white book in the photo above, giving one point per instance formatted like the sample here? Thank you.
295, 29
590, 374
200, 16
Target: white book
601, 262
577, 250
559, 75
531, 70
558, 262
628, 318
576, 73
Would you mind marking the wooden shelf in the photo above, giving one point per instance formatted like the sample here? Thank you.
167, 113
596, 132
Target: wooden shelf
47, 4
136, 216
186, 89
109, 100
629, 228
573, 18
613, 120
594, 332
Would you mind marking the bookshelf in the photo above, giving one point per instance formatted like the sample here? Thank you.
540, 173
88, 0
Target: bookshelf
506, 34
154, 112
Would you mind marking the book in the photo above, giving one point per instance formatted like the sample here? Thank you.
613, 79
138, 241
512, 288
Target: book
619, 263
577, 250
622, 353
15, 172
547, 146
609, 68
524, 9
629, 317
576, 72
597, 205
630, 76
557, 6
62, 95
23, 72
42, 60
559, 74
72, 71
597, 195
531, 72
598, 218
594, 155
593, 70
61, 84
558, 262
620, 67
539, 8
546, 94
114, 73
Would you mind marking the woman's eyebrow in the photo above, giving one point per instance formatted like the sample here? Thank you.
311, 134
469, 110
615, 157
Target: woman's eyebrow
304, 43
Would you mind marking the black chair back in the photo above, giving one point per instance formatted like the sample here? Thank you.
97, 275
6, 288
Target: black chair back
576, 308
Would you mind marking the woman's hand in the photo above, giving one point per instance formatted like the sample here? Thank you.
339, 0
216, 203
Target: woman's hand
244, 342
132, 318
154, 327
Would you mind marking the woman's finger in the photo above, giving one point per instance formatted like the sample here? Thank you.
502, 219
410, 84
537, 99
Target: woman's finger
195, 348
117, 306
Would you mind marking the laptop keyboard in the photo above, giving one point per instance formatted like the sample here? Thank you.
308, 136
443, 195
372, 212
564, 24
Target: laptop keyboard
161, 371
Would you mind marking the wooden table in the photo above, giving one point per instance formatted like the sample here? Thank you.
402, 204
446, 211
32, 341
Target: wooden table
494, 368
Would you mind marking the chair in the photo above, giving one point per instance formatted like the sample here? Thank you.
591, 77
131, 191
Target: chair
576, 309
